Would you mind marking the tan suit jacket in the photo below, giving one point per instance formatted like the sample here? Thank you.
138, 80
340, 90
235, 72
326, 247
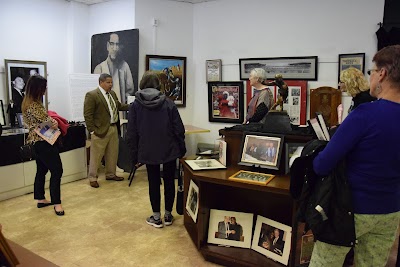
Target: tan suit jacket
97, 114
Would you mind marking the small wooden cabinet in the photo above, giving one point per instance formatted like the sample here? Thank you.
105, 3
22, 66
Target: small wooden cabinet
216, 191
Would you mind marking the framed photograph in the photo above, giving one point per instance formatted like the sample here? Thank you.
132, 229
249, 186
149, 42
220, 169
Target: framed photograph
7, 256
351, 60
17, 75
261, 150
192, 201
303, 245
291, 68
252, 177
230, 228
214, 70
272, 239
204, 164
2, 114
290, 150
225, 102
296, 102
172, 73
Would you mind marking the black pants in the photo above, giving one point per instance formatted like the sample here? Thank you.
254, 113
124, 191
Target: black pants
48, 159
153, 173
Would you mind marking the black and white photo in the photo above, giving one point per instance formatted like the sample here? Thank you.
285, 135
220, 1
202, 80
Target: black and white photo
192, 200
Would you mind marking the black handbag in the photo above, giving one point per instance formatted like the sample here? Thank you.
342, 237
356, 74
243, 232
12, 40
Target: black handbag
27, 152
179, 193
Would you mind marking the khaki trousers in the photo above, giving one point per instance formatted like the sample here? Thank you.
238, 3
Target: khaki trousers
375, 235
107, 147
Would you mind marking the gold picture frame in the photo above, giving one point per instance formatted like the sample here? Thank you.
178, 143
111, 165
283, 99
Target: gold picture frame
252, 177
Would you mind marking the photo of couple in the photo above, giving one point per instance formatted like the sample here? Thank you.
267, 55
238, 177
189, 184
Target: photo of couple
271, 238
230, 229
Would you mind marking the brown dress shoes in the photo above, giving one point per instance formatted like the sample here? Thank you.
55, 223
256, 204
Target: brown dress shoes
94, 184
115, 178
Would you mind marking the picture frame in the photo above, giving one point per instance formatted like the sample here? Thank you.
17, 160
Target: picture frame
252, 177
262, 150
221, 227
192, 201
296, 102
346, 61
7, 256
225, 102
303, 244
272, 239
17, 75
172, 73
204, 164
290, 150
2, 114
292, 68
214, 70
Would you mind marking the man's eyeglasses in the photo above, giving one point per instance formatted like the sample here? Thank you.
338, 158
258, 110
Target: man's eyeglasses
371, 70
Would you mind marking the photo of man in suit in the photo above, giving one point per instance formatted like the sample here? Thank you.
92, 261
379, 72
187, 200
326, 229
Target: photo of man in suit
18, 85
101, 114
277, 243
223, 228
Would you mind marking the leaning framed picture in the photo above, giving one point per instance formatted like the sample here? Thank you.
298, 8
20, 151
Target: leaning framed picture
172, 73
351, 60
230, 228
292, 68
17, 75
225, 102
252, 177
214, 70
192, 201
272, 239
262, 150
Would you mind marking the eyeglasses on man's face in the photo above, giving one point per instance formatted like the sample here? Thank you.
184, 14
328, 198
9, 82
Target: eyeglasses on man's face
371, 70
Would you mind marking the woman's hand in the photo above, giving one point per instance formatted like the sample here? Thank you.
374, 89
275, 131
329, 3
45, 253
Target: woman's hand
54, 124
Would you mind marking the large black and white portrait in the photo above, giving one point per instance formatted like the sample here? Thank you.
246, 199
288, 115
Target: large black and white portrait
117, 53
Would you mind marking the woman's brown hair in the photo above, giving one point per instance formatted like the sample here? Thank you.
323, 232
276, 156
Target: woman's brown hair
150, 80
34, 90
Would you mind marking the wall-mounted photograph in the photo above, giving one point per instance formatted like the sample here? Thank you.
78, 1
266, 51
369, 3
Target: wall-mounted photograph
225, 102
351, 60
172, 73
214, 70
17, 75
291, 68
272, 239
117, 53
192, 201
230, 228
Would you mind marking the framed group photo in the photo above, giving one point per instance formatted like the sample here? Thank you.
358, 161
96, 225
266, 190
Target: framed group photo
192, 201
272, 239
252, 177
171, 71
225, 102
214, 70
351, 60
17, 75
291, 68
230, 228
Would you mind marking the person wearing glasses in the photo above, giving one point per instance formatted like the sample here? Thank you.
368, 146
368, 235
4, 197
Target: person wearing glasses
118, 68
353, 82
368, 141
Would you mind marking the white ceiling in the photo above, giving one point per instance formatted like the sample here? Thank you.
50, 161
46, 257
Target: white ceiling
91, 2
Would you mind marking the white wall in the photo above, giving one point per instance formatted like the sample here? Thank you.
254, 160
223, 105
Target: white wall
233, 29
173, 37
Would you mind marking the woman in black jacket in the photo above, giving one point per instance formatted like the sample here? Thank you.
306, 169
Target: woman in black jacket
156, 135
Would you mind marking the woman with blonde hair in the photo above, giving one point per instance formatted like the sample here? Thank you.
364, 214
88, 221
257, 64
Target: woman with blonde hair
356, 85
47, 155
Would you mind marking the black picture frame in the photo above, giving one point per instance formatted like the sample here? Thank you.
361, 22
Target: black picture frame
254, 150
291, 68
226, 102
346, 61
173, 86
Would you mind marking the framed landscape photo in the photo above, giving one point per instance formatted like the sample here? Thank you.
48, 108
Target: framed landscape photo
291, 68
252, 177
261, 150
272, 239
17, 75
230, 228
192, 201
225, 102
214, 70
351, 60
172, 73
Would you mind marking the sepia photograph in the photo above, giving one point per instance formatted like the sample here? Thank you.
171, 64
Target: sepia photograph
272, 239
252, 177
230, 228
192, 201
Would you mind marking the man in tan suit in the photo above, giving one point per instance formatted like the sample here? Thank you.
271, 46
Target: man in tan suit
100, 110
